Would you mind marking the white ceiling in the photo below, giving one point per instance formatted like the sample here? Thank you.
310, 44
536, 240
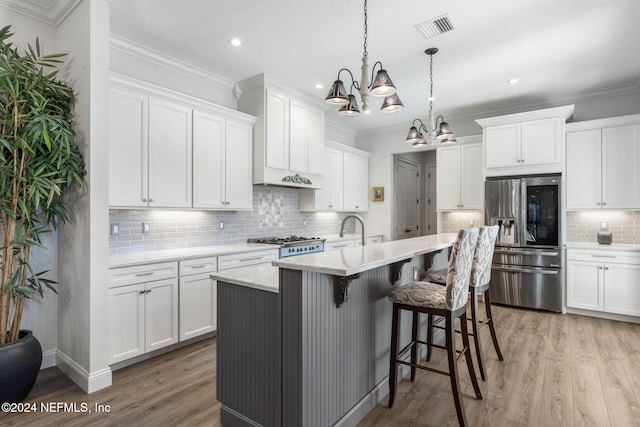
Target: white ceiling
558, 49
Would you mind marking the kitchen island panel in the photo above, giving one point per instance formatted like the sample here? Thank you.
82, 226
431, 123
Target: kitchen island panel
248, 356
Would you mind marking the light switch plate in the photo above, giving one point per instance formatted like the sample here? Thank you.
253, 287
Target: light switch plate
115, 228
146, 227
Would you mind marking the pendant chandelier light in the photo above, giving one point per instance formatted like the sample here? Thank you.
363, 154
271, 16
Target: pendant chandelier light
381, 86
436, 133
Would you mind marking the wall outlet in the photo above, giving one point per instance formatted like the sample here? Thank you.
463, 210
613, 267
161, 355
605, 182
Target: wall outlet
415, 273
146, 228
471, 223
304, 222
221, 225
115, 228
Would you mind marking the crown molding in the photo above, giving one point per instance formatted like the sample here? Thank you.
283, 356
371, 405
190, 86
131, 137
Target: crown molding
51, 12
141, 52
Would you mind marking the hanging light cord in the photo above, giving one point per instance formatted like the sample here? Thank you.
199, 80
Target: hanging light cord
431, 83
365, 53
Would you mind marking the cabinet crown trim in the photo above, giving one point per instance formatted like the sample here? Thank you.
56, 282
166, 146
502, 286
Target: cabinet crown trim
633, 119
120, 81
563, 112
345, 148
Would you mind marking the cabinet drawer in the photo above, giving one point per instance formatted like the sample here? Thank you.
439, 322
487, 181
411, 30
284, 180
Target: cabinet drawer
617, 257
198, 266
338, 244
142, 273
226, 262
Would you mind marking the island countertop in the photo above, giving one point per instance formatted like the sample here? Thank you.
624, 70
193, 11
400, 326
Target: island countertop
353, 260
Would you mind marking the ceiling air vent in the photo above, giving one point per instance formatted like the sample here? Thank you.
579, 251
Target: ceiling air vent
433, 27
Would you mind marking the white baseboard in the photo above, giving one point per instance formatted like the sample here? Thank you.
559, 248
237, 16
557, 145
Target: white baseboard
48, 359
87, 381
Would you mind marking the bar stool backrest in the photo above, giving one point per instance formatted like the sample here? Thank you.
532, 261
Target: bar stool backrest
457, 291
483, 256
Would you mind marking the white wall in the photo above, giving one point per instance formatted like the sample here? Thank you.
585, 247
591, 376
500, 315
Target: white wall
40, 314
83, 243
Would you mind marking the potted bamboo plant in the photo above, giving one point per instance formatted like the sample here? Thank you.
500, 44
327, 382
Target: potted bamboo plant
39, 159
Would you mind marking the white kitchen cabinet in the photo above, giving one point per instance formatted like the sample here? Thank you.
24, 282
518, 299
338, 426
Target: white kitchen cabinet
288, 139
244, 259
169, 154
305, 148
525, 143
128, 148
606, 281
346, 182
369, 240
143, 315
149, 151
151, 157
339, 244
198, 297
459, 180
356, 183
603, 168
221, 163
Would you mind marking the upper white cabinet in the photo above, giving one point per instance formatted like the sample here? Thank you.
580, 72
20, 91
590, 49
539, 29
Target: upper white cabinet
156, 160
524, 143
288, 139
346, 182
603, 164
169, 154
459, 180
149, 151
221, 163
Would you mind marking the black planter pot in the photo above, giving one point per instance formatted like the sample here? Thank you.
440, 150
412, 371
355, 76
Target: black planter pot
19, 366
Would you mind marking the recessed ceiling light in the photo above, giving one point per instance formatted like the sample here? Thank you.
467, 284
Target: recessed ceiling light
319, 85
235, 42
513, 81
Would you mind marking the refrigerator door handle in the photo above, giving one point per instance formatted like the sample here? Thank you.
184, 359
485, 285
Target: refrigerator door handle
551, 254
525, 270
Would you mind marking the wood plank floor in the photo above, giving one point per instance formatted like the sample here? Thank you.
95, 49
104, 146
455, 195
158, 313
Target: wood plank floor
559, 370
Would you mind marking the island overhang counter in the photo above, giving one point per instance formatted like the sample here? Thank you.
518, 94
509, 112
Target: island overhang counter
305, 341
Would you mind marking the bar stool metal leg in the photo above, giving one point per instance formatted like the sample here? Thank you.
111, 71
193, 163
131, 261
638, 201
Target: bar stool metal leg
414, 348
429, 336
467, 352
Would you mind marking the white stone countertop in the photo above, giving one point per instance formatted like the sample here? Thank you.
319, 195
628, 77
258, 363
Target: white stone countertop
595, 246
264, 277
352, 260
148, 257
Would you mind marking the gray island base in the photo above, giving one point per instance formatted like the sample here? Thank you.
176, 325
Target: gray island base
294, 350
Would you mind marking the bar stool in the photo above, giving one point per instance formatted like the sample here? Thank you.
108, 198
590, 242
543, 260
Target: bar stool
449, 302
478, 285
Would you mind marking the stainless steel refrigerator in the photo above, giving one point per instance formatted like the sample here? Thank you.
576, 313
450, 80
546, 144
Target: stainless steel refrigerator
527, 264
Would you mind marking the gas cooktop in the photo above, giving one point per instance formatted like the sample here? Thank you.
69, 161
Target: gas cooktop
293, 245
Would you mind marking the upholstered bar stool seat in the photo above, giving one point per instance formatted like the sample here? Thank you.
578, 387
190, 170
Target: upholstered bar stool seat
420, 294
449, 302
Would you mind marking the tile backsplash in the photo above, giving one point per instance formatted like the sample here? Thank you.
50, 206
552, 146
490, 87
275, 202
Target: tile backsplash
454, 221
275, 213
584, 226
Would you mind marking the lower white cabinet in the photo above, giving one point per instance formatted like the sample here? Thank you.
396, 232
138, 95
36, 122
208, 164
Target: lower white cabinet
143, 316
244, 259
606, 281
197, 297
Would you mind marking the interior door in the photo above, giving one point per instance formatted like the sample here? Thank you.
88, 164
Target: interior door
407, 206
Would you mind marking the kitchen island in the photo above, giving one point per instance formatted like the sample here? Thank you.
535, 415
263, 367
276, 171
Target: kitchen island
305, 341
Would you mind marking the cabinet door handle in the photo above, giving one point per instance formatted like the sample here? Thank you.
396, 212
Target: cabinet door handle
598, 203
144, 200
330, 206
149, 291
604, 203
142, 291
150, 200
603, 256
606, 268
357, 207
198, 266
250, 259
